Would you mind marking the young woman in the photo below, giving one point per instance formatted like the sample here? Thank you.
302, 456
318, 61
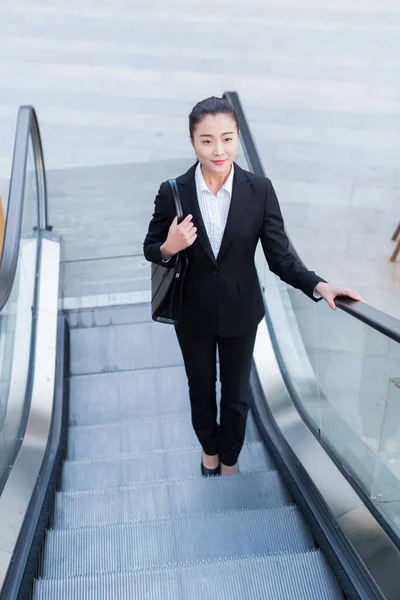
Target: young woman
227, 211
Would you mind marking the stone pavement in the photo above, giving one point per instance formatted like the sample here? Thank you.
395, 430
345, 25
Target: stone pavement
113, 84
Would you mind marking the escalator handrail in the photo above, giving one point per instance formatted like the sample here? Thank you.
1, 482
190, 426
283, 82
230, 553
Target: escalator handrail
27, 128
378, 320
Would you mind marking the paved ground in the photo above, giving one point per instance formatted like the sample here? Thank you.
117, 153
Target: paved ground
113, 83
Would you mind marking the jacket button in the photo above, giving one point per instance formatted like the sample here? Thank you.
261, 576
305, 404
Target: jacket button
215, 272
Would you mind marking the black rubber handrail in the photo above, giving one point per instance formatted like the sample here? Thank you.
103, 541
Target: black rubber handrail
27, 129
369, 315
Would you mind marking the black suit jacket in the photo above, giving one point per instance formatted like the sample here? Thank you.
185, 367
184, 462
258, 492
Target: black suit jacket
222, 296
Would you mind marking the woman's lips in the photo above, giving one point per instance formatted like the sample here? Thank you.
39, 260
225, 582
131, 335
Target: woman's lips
219, 162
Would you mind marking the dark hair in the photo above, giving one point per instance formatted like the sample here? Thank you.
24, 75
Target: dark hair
211, 106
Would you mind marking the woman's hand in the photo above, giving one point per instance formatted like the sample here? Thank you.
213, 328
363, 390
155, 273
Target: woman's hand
329, 293
179, 237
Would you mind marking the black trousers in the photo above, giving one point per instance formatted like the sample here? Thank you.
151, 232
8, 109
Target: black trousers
235, 359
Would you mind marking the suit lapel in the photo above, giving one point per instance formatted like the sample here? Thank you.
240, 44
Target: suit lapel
187, 188
240, 191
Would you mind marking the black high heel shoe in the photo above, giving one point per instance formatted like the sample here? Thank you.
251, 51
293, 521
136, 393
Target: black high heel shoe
210, 472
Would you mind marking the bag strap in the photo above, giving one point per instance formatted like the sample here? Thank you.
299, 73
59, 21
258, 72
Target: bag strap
177, 199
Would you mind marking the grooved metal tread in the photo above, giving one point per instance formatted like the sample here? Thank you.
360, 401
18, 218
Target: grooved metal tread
161, 432
104, 397
152, 466
166, 498
303, 576
135, 519
86, 318
123, 348
175, 540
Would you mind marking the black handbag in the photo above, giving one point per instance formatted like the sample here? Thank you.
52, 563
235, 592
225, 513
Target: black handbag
167, 282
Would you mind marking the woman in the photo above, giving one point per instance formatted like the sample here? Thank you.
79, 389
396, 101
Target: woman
227, 211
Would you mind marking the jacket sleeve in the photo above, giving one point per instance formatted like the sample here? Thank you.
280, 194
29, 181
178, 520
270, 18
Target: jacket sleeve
159, 226
276, 246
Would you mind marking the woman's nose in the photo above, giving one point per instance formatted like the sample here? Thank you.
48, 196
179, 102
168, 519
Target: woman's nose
218, 150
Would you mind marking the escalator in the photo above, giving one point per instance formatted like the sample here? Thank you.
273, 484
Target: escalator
101, 492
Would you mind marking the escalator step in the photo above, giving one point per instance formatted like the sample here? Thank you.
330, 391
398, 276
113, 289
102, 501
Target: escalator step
123, 347
168, 498
110, 315
178, 464
103, 398
286, 577
178, 540
163, 432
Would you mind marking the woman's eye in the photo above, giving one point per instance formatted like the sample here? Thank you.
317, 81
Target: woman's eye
228, 139
207, 142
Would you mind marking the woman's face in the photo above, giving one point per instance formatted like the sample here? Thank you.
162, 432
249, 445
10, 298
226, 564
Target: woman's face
215, 142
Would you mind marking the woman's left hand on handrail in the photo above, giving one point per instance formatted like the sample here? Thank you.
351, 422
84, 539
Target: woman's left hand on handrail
329, 292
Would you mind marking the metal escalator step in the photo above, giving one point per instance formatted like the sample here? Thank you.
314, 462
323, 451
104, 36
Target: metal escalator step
109, 315
176, 540
303, 576
136, 468
168, 498
164, 432
106, 397
123, 347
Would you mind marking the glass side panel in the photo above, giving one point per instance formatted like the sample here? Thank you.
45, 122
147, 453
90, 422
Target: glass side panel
357, 370
16, 325
385, 488
346, 380
345, 377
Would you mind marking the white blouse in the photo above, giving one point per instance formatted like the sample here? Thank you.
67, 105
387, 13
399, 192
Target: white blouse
214, 209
